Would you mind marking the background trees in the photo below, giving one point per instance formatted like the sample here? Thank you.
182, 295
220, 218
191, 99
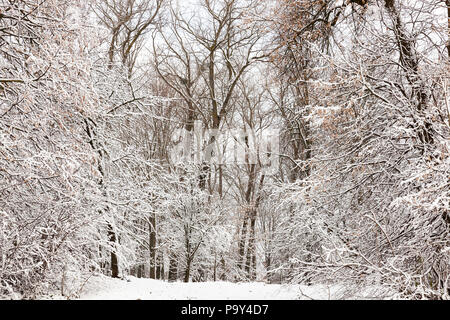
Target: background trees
372, 125
48, 199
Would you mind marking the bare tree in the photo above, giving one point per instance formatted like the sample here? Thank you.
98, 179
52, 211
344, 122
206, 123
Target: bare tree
128, 21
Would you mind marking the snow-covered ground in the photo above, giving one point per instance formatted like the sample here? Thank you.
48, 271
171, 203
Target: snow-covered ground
147, 289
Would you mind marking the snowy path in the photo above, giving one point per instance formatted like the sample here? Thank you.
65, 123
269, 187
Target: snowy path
147, 289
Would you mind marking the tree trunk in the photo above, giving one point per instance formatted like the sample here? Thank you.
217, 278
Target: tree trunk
221, 179
409, 60
173, 270
187, 271
111, 234
158, 272
161, 271
447, 3
250, 264
114, 260
242, 242
152, 247
215, 267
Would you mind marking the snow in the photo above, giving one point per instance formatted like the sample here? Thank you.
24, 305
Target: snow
148, 289
104, 288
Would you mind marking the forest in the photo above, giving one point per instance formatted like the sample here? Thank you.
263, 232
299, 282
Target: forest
277, 141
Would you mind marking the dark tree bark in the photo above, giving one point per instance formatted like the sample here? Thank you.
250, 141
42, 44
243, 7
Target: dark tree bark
114, 259
409, 60
447, 3
173, 268
152, 247
187, 271
251, 259
215, 267
242, 241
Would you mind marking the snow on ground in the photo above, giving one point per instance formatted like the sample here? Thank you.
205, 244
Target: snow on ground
155, 289
104, 288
